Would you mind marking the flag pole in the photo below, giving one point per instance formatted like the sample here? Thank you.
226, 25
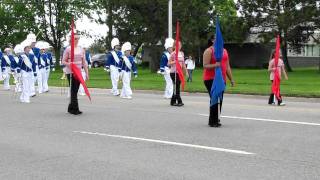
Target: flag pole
72, 56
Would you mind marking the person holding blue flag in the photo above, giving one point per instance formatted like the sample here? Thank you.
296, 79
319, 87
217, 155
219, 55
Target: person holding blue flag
216, 70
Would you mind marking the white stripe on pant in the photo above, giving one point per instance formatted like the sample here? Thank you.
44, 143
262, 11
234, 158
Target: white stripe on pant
5, 73
47, 74
169, 85
114, 73
81, 89
126, 91
27, 82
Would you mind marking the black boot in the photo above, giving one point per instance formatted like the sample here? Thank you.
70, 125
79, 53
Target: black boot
173, 101
73, 108
271, 99
76, 109
70, 109
214, 121
180, 103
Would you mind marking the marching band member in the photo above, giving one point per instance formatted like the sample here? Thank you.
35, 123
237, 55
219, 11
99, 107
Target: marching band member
28, 72
83, 73
127, 65
165, 69
18, 50
7, 60
49, 67
0, 65
34, 55
41, 65
113, 65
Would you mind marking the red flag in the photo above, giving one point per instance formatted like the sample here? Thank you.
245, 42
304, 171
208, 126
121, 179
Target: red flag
276, 79
74, 69
178, 66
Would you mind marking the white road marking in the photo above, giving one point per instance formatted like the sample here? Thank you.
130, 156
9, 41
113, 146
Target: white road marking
267, 120
168, 142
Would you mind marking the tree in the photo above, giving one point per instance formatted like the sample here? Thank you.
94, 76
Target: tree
294, 20
15, 20
48, 19
53, 19
145, 21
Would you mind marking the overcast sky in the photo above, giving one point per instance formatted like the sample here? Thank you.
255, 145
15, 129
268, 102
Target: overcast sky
95, 30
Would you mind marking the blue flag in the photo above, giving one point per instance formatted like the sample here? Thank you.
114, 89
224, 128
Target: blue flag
218, 85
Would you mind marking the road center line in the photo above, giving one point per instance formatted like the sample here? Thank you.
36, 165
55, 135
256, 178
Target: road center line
168, 143
267, 120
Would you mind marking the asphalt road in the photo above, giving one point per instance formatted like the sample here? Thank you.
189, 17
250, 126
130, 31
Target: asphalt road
144, 138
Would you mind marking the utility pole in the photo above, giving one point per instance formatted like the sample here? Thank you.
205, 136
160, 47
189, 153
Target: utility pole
170, 19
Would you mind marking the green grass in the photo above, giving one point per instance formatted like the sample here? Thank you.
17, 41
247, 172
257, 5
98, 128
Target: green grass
304, 82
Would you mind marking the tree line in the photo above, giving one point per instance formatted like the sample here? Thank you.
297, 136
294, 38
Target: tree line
146, 21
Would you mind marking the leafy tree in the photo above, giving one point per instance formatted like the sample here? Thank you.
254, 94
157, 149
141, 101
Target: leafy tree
146, 21
53, 19
15, 21
48, 19
294, 20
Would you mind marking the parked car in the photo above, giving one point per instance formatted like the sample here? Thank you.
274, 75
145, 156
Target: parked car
98, 60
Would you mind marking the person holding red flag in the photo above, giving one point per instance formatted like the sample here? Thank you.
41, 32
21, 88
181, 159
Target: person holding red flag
79, 61
176, 62
272, 69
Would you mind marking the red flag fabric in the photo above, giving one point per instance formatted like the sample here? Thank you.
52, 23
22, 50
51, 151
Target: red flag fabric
276, 79
178, 66
74, 69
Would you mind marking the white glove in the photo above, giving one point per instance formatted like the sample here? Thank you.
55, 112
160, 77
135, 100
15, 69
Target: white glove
89, 66
135, 76
4, 76
53, 69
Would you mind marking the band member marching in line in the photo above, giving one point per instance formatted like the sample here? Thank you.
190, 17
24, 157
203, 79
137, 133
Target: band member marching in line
49, 66
1, 79
34, 55
28, 71
6, 63
43, 63
42, 58
83, 73
127, 65
113, 64
165, 69
18, 50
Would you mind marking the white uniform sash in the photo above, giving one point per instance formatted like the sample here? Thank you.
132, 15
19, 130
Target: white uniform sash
16, 59
35, 59
26, 61
42, 62
115, 56
166, 68
168, 55
7, 59
127, 62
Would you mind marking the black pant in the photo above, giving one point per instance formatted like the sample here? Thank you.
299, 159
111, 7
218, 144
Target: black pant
176, 93
272, 98
75, 84
214, 110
